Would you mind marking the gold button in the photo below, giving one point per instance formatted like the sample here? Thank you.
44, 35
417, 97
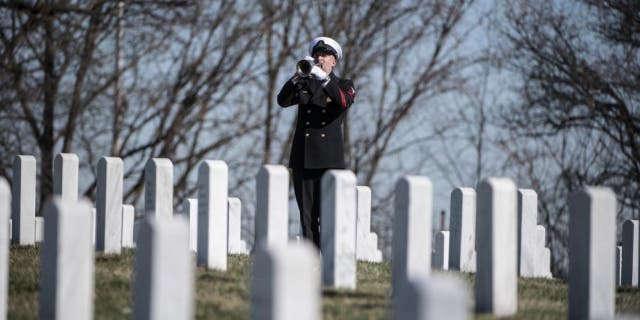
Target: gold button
308, 110
323, 123
322, 135
324, 111
306, 134
307, 122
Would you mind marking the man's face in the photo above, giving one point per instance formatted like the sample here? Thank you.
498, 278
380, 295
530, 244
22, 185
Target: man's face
325, 60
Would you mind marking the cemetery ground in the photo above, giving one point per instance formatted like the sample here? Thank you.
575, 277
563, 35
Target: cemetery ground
226, 295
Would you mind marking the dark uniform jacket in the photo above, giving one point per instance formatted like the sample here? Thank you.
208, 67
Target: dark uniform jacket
318, 142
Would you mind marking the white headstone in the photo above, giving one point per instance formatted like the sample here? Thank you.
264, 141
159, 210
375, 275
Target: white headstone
164, 270
5, 213
286, 283
94, 222
67, 267
363, 248
527, 215
618, 265
441, 257
435, 297
411, 243
338, 229
65, 176
109, 205
543, 255
158, 187
213, 181
128, 219
367, 241
630, 251
496, 284
545, 259
39, 230
375, 255
592, 242
272, 205
190, 210
23, 204
236, 244
462, 229
541, 236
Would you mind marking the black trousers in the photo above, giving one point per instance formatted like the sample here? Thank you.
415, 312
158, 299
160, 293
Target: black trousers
306, 184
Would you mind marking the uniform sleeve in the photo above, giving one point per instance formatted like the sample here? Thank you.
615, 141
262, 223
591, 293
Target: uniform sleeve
341, 91
288, 95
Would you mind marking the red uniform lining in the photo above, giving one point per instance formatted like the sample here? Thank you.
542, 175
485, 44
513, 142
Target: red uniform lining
343, 99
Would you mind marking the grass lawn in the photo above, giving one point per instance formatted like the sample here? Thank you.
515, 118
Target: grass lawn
226, 295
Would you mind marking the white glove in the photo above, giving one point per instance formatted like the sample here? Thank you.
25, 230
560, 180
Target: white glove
310, 59
319, 74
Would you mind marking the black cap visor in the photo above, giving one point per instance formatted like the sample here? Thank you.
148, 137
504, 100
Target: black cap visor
322, 47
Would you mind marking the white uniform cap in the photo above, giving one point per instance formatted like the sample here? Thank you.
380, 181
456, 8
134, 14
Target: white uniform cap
328, 41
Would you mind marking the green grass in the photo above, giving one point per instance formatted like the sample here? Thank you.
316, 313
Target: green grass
226, 295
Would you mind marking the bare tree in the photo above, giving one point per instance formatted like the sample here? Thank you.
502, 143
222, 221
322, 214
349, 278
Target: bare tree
182, 64
577, 118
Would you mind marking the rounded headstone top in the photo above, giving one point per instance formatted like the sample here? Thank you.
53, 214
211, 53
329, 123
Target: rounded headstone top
25, 158
528, 192
463, 191
502, 184
110, 160
345, 175
159, 162
417, 181
273, 170
214, 164
67, 156
629, 223
594, 192
234, 200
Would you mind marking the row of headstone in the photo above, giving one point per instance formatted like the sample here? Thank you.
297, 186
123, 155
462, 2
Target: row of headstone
534, 259
285, 278
592, 235
159, 236
163, 276
108, 219
128, 217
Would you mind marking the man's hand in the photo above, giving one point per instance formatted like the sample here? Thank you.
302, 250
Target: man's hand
319, 74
